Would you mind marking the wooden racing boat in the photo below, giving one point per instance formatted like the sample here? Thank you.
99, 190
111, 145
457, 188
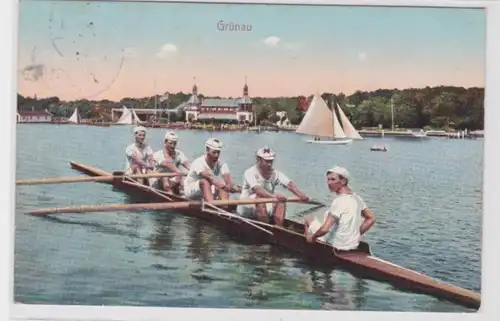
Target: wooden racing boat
360, 262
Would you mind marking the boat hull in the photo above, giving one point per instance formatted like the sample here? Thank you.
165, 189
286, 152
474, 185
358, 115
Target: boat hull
329, 142
360, 262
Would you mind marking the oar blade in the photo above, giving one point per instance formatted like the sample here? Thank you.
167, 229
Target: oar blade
59, 180
156, 206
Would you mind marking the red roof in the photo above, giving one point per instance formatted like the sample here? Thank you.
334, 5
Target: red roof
34, 113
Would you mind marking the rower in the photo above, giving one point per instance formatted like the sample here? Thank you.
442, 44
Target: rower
348, 213
169, 159
260, 181
139, 155
209, 176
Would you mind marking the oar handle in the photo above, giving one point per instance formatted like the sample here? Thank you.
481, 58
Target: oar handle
316, 202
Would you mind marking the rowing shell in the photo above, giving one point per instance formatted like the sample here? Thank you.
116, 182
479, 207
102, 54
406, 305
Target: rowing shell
360, 262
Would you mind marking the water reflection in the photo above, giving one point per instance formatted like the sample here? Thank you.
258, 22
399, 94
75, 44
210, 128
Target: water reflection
203, 240
263, 272
336, 289
163, 233
338, 295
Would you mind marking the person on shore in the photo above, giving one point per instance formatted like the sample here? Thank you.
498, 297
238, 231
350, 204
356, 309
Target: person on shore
347, 218
139, 155
260, 181
209, 176
169, 159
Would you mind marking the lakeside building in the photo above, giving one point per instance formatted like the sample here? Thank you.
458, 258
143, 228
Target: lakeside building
34, 117
219, 109
196, 108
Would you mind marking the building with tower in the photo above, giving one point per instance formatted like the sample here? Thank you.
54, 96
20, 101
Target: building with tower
219, 109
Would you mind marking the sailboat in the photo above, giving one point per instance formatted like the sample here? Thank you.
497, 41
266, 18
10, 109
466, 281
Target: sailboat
320, 121
75, 118
128, 118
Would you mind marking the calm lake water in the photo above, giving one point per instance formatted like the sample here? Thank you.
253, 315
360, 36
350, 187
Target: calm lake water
427, 197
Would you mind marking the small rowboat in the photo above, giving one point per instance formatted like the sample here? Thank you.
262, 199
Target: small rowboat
361, 262
378, 149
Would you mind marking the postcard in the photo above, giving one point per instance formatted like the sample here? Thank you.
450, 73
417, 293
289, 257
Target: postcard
297, 157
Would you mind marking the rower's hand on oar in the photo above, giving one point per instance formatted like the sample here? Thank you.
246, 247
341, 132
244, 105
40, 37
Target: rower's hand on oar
304, 198
235, 189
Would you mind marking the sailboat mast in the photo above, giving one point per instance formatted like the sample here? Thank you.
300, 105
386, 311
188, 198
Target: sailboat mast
156, 101
392, 115
333, 118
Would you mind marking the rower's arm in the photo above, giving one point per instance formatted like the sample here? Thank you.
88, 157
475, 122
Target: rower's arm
184, 161
150, 158
169, 163
368, 222
186, 165
328, 224
261, 192
208, 176
228, 179
295, 190
251, 181
136, 157
226, 175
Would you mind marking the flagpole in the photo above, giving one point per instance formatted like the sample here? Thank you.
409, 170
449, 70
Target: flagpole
156, 102
166, 107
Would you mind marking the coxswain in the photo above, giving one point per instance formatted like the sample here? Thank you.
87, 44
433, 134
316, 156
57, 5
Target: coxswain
209, 176
139, 155
260, 181
169, 159
347, 218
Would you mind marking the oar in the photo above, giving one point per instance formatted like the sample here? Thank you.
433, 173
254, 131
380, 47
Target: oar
157, 206
310, 210
57, 180
220, 211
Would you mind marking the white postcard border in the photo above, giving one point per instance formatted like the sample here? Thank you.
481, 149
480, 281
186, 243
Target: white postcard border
490, 279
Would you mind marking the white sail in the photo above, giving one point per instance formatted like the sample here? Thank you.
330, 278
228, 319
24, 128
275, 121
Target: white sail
136, 118
126, 118
75, 117
320, 121
349, 129
337, 128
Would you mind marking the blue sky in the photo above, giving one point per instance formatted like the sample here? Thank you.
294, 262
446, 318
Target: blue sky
328, 46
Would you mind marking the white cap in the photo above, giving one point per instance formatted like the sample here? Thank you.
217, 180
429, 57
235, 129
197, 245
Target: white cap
339, 171
266, 153
213, 143
171, 136
139, 129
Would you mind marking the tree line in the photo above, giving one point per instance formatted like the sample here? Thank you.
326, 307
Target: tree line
440, 107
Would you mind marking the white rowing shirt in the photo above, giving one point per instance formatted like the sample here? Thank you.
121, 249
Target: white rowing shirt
132, 149
252, 178
178, 160
200, 165
346, 233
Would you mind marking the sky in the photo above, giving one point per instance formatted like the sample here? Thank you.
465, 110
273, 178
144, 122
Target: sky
112, 50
